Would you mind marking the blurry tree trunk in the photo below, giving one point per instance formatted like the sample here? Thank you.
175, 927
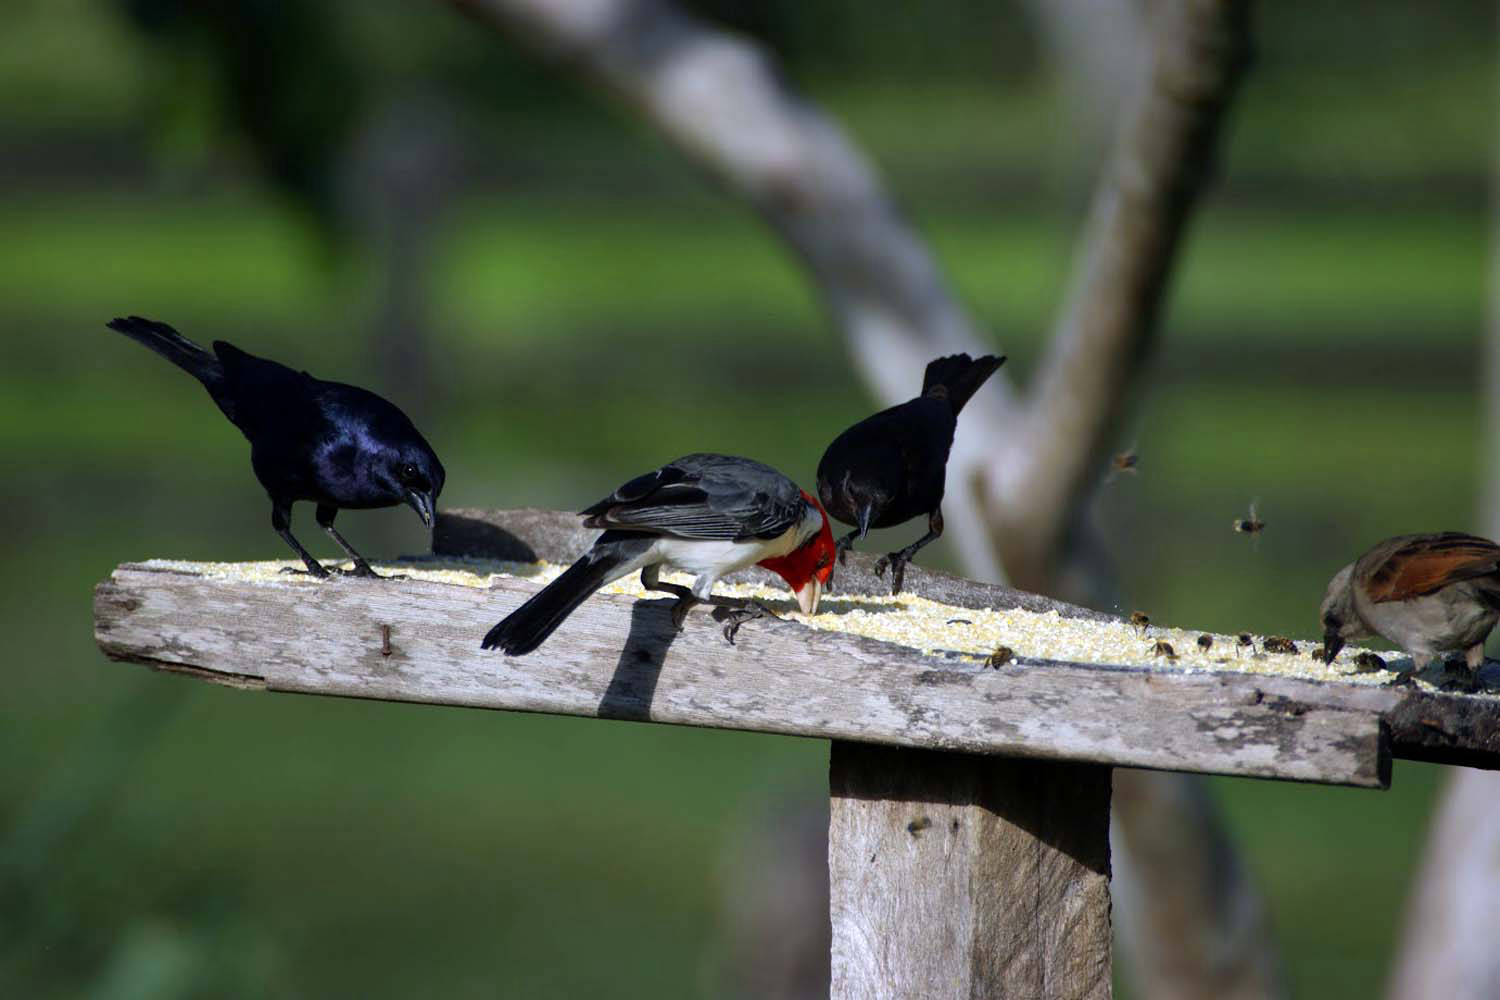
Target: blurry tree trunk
1097, 49
1162, 158
1447, 948
399, 173
1179, 866
1021, 472
719, 99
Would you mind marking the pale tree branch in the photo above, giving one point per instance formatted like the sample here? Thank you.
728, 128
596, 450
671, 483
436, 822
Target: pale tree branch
1174, 863
718, 98
1158, 168
1097, 48
1447, 948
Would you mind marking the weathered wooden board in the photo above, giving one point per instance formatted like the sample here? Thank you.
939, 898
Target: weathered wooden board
955, 876
1441, 727
620, 658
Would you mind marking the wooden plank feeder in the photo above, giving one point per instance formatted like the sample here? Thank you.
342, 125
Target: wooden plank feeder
969, 830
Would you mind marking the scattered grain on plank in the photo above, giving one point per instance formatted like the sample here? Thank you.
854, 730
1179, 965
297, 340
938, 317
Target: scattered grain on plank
909, 620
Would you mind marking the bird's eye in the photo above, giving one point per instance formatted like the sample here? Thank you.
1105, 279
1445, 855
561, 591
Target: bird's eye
406, 472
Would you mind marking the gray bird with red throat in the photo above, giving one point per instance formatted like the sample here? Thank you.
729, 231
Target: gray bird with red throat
890, 467
1429, 594
707, 514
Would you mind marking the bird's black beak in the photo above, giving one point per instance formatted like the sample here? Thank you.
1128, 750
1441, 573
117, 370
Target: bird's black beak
1332, 643
422, 503
865, 513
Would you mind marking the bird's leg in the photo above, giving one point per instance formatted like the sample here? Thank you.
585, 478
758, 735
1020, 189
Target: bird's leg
843, 545
897, 560
685, 598
1461, 679
1419, 663
736, 611
325, 516
1474, 657
731, 611
281, 520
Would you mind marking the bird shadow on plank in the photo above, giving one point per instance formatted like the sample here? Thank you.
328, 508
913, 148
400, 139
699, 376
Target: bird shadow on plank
633, 685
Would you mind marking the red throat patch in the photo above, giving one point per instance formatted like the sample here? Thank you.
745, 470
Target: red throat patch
813, 559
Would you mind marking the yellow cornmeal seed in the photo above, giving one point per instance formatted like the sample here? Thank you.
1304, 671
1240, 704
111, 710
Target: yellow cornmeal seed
909, 620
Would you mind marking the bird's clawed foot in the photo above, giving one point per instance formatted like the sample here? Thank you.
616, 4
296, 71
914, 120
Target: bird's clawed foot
841, 549
363, 570
1458, 677
896, 562
733, 617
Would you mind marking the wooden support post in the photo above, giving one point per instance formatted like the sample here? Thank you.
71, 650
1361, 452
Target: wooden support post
961, 876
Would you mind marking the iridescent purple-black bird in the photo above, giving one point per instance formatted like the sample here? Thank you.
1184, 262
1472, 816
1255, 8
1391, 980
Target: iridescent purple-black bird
335, 445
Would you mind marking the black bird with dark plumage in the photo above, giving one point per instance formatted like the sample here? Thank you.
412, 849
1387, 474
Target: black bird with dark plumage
335, 445
889, 468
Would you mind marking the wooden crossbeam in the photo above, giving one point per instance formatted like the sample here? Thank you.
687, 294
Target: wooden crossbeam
620, 658
969, 822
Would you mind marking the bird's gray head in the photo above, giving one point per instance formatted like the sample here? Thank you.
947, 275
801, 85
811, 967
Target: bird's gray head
413, 473
1339, 619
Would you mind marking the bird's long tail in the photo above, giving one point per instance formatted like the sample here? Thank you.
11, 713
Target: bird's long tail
527, 627
960, 375
173, 346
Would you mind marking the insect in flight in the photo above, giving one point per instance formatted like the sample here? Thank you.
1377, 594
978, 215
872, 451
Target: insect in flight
1125, 462
1251, 525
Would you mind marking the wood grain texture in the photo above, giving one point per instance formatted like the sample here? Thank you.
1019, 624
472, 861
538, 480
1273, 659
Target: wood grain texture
620, 658
959, 877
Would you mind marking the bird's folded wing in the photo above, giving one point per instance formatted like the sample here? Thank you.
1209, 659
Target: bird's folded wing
674, 502
1429, 564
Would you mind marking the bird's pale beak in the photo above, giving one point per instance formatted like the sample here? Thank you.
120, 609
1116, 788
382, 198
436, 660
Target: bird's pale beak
421, 503
809, 595
1332, 643
865, 513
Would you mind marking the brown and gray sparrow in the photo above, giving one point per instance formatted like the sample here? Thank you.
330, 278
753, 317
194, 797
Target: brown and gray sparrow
1429, 594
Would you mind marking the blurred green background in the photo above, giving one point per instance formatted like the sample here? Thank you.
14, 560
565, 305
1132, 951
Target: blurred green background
160, 838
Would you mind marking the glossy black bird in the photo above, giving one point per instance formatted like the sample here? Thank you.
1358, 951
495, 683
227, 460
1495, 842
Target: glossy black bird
335, 445
704, 513
890, 467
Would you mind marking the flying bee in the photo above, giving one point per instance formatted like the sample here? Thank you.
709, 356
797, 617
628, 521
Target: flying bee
1124, 462
1251, 525
1164, 648
1140, 620
1366, 662
1205, 642
1000, 657
1242, 640
1279, 644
